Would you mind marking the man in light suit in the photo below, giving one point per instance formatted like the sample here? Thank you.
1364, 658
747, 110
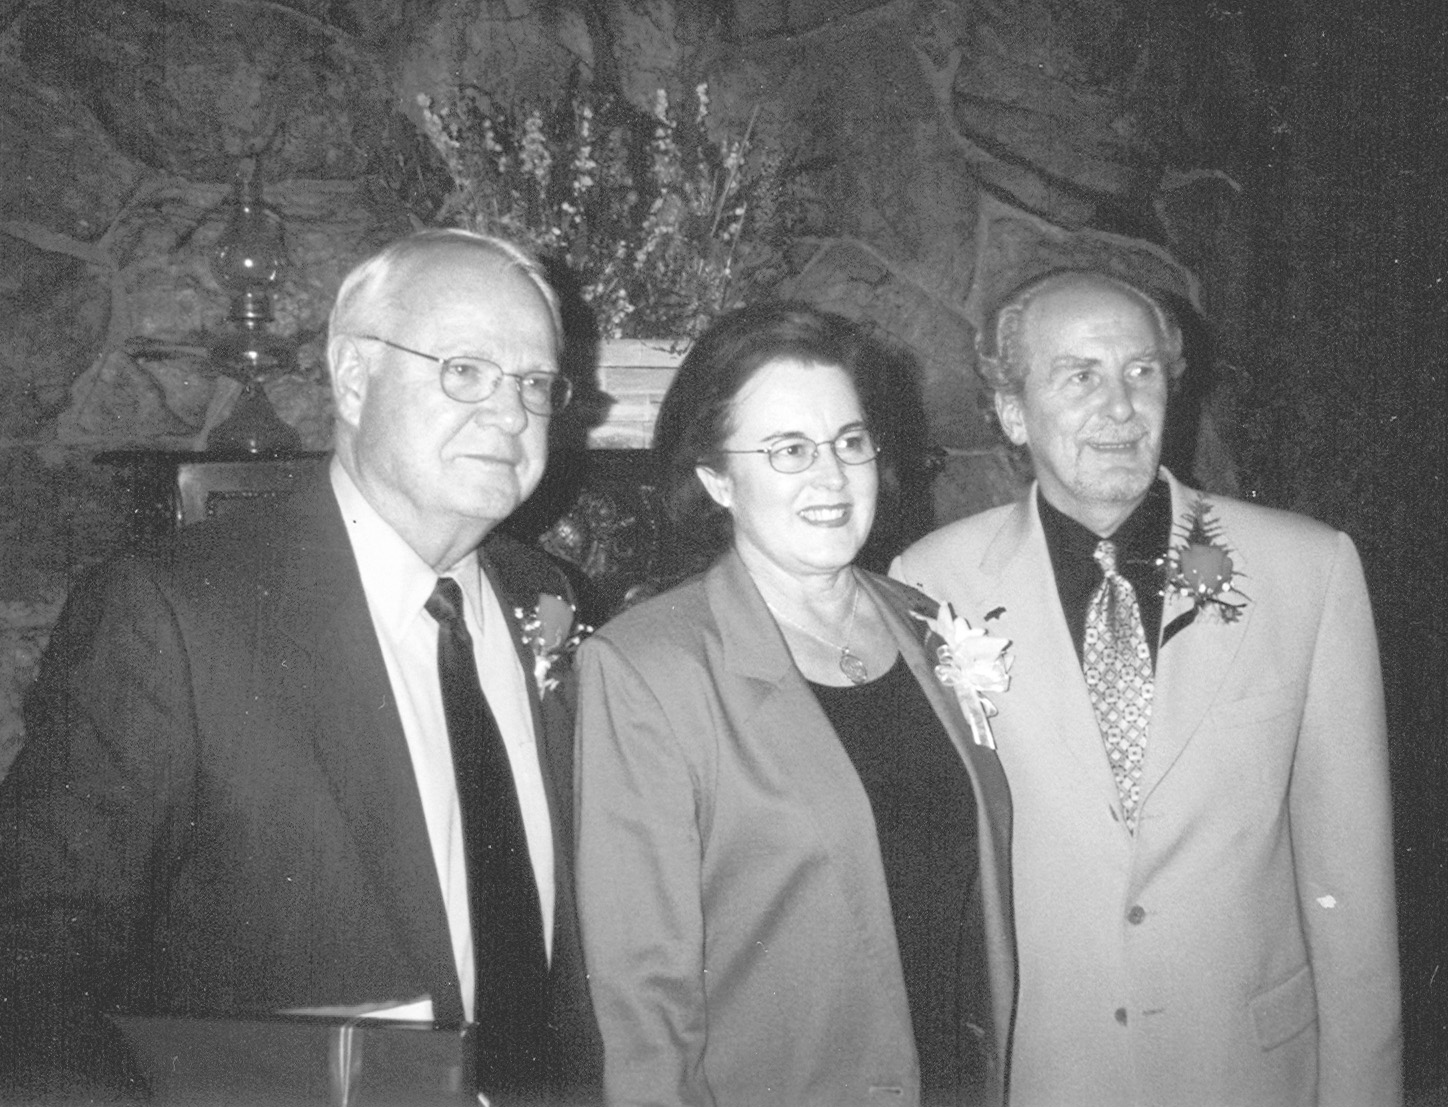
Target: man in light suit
250, 787
1202, 842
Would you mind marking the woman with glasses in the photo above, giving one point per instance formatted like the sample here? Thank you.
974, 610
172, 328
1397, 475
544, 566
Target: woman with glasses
793, 858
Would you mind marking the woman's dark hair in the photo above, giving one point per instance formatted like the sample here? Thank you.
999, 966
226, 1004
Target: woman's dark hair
695, 417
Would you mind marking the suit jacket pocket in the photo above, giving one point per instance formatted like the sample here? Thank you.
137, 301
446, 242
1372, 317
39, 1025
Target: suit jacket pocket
1284, 1010
1257, 707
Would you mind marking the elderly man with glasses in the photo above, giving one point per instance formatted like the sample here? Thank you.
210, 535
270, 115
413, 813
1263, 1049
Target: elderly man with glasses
298, 764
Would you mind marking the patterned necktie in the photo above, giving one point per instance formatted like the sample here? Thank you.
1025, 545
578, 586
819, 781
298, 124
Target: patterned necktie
510, 1009
1117, 665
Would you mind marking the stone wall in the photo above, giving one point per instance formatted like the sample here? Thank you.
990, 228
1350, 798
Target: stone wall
1268, 165
921, 142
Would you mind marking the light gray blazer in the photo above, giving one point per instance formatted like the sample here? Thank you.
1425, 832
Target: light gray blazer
1241, 948
737, 926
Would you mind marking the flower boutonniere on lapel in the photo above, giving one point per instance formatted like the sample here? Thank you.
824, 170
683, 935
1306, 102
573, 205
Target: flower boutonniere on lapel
551, 636
1199, 567
973, 663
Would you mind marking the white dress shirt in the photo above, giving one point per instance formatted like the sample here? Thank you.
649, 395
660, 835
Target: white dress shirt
397, 583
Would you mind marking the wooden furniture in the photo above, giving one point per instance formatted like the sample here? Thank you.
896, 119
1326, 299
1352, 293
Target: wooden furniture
171, 489
598, 510
299, 1062
207, 488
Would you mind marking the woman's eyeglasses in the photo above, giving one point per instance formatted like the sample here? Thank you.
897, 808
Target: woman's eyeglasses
797, 453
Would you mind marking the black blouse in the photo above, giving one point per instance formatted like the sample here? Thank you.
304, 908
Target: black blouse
925, 818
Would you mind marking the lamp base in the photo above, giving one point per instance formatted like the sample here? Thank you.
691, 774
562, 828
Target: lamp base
253, 427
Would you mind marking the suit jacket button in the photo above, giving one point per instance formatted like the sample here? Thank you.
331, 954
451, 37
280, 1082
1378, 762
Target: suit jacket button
1136, 914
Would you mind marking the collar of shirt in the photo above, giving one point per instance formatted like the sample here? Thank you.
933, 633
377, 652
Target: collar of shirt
397, 581
1140, 539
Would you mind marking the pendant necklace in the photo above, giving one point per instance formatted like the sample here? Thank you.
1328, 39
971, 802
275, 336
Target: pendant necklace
850, 665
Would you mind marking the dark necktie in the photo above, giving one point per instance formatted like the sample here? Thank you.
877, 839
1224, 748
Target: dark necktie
1117, 665
510, 1010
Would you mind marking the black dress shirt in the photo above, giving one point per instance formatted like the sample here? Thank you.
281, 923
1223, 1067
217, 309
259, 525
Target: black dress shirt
1141, 544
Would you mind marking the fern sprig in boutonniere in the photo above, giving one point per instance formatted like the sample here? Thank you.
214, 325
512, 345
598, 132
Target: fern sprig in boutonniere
1199, 567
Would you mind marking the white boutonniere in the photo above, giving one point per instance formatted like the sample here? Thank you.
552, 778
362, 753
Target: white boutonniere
550, 634
973, 663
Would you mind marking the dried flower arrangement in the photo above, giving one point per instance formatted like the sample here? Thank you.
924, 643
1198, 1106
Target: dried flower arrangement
658, 219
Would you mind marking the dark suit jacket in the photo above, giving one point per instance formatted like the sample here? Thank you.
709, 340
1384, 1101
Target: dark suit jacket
216, 812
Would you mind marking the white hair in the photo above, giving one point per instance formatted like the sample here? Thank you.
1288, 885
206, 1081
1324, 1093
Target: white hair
1000, 346
373, 287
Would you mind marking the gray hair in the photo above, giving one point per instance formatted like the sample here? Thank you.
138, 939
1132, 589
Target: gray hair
372, 287
1001, 356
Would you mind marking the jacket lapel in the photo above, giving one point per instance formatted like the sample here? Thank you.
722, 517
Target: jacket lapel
776, 694
1048, 702
552, 727
1190, 667
896, 603
545, 741
518, 575
915, 641
775, 699
344, 703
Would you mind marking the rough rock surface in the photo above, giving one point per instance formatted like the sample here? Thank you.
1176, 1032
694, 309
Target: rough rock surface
936, 152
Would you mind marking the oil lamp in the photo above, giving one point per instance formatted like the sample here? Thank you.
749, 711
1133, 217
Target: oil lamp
247, 260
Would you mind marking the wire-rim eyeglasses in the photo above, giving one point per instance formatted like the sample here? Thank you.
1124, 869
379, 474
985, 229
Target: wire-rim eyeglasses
796, 453
470, 380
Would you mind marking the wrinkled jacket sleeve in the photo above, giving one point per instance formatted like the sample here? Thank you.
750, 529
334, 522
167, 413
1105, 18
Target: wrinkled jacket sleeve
639, 880
1342, 844
93, 805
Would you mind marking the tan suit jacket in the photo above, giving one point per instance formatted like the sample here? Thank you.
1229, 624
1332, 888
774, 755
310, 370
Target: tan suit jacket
1241, 948
737, 926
